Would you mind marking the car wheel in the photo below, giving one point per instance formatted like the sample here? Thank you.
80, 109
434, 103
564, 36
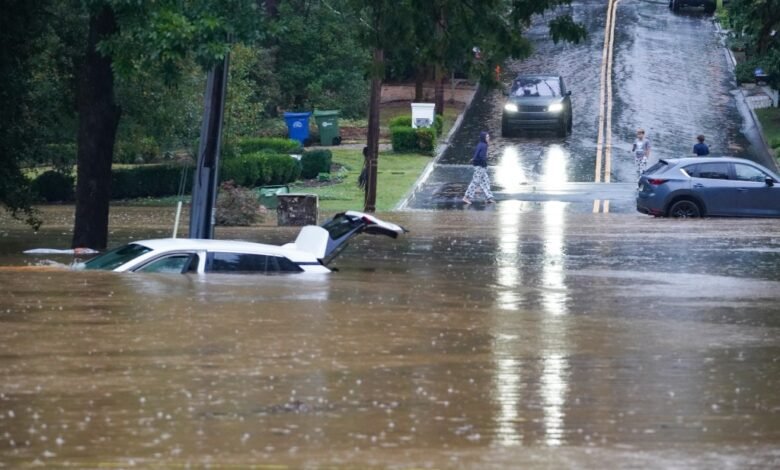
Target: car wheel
685, 209
569, 125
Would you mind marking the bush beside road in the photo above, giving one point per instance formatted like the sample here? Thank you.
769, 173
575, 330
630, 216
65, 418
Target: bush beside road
770, 124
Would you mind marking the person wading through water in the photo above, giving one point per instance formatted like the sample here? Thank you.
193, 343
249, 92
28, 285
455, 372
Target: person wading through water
480, 179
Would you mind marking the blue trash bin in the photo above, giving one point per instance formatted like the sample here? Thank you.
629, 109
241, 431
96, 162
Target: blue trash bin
298, 126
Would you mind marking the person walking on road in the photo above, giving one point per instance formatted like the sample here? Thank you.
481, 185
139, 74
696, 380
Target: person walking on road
480, 179
641, 150
701, 149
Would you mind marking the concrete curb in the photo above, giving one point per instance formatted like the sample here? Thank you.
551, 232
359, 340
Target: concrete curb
441, 147
767, 156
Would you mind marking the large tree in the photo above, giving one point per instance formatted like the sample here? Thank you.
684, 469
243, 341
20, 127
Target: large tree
127, 35
759, 22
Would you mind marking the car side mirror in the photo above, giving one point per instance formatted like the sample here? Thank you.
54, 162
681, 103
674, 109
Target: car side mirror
769, 181
568, 93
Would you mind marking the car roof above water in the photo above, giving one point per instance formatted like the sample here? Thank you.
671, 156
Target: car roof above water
169, 244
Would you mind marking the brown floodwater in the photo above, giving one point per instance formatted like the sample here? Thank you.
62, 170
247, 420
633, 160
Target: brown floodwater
518, 336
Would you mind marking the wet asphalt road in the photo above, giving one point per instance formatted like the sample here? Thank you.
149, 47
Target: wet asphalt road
671, 76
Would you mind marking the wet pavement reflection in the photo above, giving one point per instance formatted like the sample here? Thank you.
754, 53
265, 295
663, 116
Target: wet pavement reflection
482, 338
671, 76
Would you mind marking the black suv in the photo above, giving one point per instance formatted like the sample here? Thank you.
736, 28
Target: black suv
709, 5
537, 102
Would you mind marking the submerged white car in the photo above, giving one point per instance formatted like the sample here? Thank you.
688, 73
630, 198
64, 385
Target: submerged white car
311, 251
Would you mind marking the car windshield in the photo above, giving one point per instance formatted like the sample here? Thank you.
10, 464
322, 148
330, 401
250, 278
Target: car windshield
116, 257
536, 87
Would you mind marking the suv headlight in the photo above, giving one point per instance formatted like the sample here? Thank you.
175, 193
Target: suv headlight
555, 108
511, 107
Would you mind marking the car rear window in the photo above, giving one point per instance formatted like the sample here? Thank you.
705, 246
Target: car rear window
659, 167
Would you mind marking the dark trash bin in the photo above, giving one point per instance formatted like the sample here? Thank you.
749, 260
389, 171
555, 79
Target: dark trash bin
298, 126
328, 125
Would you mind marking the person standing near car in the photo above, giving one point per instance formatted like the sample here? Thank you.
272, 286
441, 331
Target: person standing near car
641, 151
480, 179
701, 149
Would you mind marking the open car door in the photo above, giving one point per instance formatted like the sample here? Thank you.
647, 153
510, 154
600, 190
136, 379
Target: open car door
327, 241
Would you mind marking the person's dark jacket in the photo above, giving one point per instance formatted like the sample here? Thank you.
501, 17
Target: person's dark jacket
480, 153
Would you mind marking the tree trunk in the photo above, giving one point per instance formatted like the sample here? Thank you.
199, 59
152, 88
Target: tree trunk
373, 130
439, 90
98, 120
419, 82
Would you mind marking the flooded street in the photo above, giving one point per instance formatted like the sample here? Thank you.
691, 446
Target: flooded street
531, 333
513, 337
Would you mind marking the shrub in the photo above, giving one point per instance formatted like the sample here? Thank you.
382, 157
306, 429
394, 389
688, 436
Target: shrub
267, 145
426, 140
150, 181
775, 143
405, 120
280, 169
53, 186
245, 170
238, 206
257, 169
315, 162
404, 139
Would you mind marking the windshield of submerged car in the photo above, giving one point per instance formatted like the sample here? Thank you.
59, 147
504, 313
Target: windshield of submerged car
536, 87
116, 257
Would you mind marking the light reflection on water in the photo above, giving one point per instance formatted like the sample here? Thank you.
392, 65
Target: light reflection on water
459, 337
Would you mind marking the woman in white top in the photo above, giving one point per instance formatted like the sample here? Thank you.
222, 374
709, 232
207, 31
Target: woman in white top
641, 150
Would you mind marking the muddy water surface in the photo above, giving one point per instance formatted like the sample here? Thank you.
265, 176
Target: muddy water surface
483, 338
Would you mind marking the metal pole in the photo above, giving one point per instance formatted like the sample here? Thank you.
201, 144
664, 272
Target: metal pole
204, 187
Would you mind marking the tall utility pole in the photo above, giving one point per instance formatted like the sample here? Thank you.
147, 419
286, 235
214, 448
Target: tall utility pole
373, 129
204, 187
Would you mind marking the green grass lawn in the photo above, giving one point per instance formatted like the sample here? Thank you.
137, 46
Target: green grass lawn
770, 122
396, 175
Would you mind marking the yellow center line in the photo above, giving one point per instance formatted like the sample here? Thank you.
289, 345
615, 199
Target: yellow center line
602, 92
608, 130
604, 139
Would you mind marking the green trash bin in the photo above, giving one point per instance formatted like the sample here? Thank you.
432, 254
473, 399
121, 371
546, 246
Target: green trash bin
268, 194
328, 125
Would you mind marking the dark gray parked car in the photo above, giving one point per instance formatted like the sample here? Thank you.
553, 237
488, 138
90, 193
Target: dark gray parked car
709, 186
537, 102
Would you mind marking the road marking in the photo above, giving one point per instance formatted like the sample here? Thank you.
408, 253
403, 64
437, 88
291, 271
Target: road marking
597, 206
604, 150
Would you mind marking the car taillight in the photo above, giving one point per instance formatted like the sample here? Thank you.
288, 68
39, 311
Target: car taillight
656, 181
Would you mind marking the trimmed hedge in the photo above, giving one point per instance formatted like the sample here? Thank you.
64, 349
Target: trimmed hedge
267, 145
314, 162
420, 140
53, 186
258, 169
406, 121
